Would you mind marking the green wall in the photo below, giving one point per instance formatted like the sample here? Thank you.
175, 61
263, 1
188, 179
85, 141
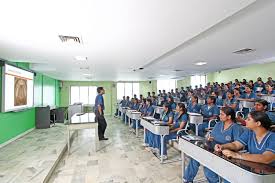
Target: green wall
249, 73
15, 123
145, 87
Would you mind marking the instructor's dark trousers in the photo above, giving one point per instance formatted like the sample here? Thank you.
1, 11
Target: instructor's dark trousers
102, 125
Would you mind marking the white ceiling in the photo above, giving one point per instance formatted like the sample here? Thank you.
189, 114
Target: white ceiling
122, 35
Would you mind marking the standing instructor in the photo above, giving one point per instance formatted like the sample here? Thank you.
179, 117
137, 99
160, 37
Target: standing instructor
99, 113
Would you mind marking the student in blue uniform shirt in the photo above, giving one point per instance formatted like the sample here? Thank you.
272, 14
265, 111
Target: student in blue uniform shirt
249, 95
223, 132
208, 111
135, 106
259, 84
128, 102
123, 102
179, 123
219, 98
258, 141
172, 103
166, 118
149, 112
194, 107
230, 101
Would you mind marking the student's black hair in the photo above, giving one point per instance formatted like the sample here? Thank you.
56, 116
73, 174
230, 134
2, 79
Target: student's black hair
171, 98
228, 111
166, 104
231, 92
213, 99
263, 102
196, 97
99, 89
248, 86
262, 117
182, 106
150, 101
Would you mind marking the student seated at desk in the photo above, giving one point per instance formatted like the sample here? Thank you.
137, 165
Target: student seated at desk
194, 107
135, 104
172, 103
258, 141
149, 112
230, 101
209, 111
260, 106
224, 132
166, 118
247, 96
219, 97
179, 123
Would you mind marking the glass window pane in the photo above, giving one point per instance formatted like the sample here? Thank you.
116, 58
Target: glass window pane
84, 97
136, 89
120, 91
74, 94
129, 89
92, 94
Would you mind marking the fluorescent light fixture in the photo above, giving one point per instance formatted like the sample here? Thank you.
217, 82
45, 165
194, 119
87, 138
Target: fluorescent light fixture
80, 58
87, 74
200, 63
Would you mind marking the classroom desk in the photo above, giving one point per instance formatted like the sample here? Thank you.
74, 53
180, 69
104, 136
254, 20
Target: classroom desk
237, 171
82, 121
134, 115
159, 129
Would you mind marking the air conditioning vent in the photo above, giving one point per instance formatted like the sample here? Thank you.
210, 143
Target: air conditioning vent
70, 39
244, 51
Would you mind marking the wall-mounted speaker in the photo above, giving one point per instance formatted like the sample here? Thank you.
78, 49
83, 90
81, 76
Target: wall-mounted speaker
150, 82
114, 85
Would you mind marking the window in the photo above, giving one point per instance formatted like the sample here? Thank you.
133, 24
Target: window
127, 89
166, 85
83, 94
198, 80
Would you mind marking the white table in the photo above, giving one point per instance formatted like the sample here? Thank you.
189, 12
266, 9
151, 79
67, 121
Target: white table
134, 115
162, 131
196, 119
84, 121
227, 169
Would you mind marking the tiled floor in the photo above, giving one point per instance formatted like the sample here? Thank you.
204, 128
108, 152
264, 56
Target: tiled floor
122, 159
30, 158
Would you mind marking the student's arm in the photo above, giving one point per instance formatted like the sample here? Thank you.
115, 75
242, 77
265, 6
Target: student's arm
234, 146
182, 124
170, 121
267, 157
99, 106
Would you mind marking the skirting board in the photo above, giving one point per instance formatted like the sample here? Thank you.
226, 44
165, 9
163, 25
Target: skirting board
16, 137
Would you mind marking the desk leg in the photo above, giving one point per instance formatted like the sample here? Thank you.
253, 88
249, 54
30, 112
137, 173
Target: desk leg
129, 121
183, 165
161, 148
68, 140
197, 129
125, 120
136, 127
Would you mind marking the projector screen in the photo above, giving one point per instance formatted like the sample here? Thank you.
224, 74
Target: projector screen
17, 88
